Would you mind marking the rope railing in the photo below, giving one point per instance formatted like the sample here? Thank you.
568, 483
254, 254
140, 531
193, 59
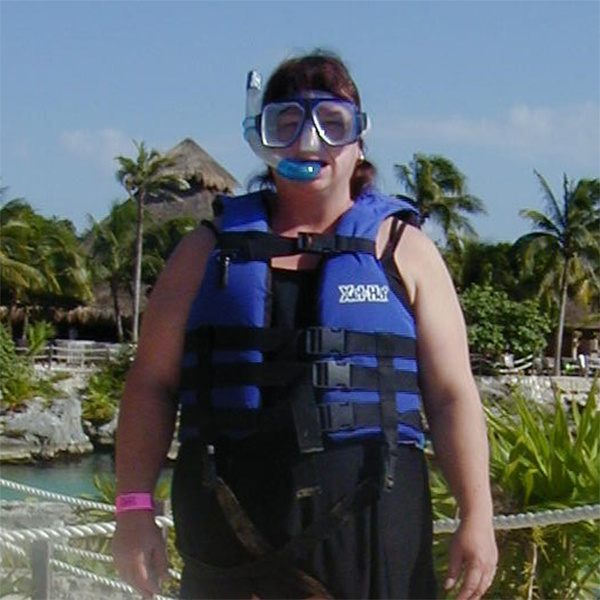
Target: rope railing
19, 487
530, 519
501, 522
81, 553
13, 548
112, 583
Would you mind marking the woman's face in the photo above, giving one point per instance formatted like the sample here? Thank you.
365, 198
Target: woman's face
337, 162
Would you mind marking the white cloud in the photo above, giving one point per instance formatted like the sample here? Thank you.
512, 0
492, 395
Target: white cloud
572, 132
99, 146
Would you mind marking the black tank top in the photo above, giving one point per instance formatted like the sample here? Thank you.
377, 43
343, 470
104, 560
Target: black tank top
294, 297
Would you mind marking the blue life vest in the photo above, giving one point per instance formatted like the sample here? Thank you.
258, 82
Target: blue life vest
361, 351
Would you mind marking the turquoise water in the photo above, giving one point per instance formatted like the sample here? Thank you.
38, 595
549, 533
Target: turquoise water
73, 477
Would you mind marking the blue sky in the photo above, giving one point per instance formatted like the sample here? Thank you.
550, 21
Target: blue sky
500, 88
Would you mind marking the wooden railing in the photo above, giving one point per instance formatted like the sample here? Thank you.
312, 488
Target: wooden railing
80, 355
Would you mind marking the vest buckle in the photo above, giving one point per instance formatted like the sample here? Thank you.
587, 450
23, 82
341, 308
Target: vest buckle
331, 374
325, 340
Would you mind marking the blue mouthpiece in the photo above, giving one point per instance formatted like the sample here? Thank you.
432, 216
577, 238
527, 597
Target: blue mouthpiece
299, 170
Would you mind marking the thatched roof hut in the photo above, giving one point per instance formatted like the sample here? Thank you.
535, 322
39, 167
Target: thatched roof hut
206, 178
198, 167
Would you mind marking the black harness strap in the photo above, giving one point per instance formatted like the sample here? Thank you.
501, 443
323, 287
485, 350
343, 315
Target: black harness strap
312, 341
262, 245
258, 546
324, 374
331, 418
268, 558
389, 419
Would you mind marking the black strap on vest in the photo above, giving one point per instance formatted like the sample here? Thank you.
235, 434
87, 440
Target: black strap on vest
312, 341
332, 418
262, 245
327, 374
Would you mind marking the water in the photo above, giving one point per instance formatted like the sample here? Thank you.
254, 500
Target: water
72, 477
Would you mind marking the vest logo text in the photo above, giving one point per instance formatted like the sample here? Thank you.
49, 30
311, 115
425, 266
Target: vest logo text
363, 293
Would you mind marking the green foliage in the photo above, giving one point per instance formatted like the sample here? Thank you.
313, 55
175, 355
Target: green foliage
493, 264
540, 460
497, 324
41, 259
105, 388
18, 383
38, 334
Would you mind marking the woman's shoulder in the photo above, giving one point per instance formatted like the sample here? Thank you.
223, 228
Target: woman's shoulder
420, 263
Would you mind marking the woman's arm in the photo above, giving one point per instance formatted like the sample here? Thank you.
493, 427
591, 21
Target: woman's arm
453, 410
148, 409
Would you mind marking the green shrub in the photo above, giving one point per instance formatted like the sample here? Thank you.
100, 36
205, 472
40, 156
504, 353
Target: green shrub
105, 388
38, 334
18, 382
497, 324
540, 459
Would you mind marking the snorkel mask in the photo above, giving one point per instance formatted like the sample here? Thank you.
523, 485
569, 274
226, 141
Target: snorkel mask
279, 124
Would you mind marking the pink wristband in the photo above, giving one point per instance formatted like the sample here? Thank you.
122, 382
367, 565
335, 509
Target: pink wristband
133, 501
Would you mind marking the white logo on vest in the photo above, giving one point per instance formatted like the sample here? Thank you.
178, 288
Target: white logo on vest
363, 293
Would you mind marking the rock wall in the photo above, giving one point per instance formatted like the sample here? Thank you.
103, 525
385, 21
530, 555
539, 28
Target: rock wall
538, 388
43, 430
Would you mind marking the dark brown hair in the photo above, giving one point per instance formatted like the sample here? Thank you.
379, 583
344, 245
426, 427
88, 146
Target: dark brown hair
323, 71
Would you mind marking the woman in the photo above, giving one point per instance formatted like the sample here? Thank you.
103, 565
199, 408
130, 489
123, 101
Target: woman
309, 321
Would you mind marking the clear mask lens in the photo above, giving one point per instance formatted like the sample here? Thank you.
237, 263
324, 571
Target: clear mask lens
336, 121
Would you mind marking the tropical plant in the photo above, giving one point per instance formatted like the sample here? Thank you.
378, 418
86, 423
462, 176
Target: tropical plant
19, 383
112, 242
38, 335
472, 261
496, 324
563, 248
540, 459
105, 388
146, 178
544, 461
440, 191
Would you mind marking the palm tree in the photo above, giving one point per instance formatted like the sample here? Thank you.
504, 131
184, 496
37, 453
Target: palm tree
146, 178
41, 259
440, 191
112, 241
564, 243
18, 277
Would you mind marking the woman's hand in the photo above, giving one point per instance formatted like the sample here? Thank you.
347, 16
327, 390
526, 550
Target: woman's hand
473, 558
139, 551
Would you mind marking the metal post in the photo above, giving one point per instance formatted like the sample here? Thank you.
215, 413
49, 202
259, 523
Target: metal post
41, 571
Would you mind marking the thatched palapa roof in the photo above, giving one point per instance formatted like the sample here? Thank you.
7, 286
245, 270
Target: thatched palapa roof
198, 167
206, 179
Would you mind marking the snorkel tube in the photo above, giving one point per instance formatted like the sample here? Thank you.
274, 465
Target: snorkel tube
296, 170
